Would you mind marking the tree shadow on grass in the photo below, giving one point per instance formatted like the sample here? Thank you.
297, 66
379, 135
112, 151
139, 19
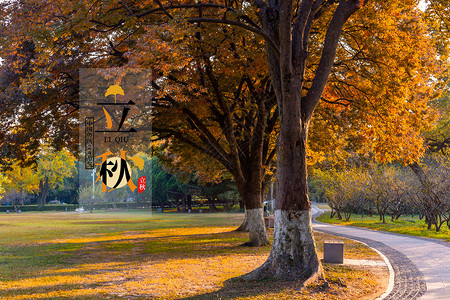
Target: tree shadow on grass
268, 289
132, 251
61, 291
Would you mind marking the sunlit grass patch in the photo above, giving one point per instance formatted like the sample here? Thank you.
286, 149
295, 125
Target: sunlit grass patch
405, 225
343, 283
90, 256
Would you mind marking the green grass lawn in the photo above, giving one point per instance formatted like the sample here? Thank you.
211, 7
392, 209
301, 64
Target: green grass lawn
142, 255
322, 206
405, 225
31, 241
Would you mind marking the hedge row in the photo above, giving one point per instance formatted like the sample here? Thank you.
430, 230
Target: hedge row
62, 207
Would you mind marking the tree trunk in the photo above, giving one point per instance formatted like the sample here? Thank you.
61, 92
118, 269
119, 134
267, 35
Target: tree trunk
43, 191
257, 227
212, 207
333, 212
189, 201
183, 204
293, 254
244, 226
241, 204
420, 173
254, 216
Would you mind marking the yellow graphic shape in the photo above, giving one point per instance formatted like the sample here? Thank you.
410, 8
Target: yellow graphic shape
114, 90
108, 119
138, 161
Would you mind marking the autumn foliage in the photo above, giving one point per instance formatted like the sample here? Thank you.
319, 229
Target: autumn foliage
316, 82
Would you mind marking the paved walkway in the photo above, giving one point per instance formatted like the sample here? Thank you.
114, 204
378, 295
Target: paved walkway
421, 266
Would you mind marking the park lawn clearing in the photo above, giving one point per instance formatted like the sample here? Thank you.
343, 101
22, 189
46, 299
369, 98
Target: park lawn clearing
408, 225
139, 255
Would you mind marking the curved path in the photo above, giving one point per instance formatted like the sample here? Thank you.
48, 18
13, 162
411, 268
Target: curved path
421, 265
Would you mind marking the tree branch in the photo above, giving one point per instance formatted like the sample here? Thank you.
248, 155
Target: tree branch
301, 28
198, 125
344, 10
164, 9
260, 32
197, 5
183, 139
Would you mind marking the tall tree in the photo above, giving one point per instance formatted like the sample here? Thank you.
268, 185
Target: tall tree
52, 168
236, 132
21, 179
216, 105
288, 28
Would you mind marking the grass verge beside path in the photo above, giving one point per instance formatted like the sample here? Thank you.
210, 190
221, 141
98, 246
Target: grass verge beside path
405, 225
138, 255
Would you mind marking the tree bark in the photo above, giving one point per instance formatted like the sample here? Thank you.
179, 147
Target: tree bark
420, 173
212, 206
183, 204
293, 254
43, 191
257, 227
244, 226
189, 201
254, 214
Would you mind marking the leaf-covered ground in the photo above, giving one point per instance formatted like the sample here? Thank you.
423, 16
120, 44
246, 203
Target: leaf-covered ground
139, 255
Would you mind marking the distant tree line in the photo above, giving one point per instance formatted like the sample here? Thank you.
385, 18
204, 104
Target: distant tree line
53, 177
388, 190
166, 187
